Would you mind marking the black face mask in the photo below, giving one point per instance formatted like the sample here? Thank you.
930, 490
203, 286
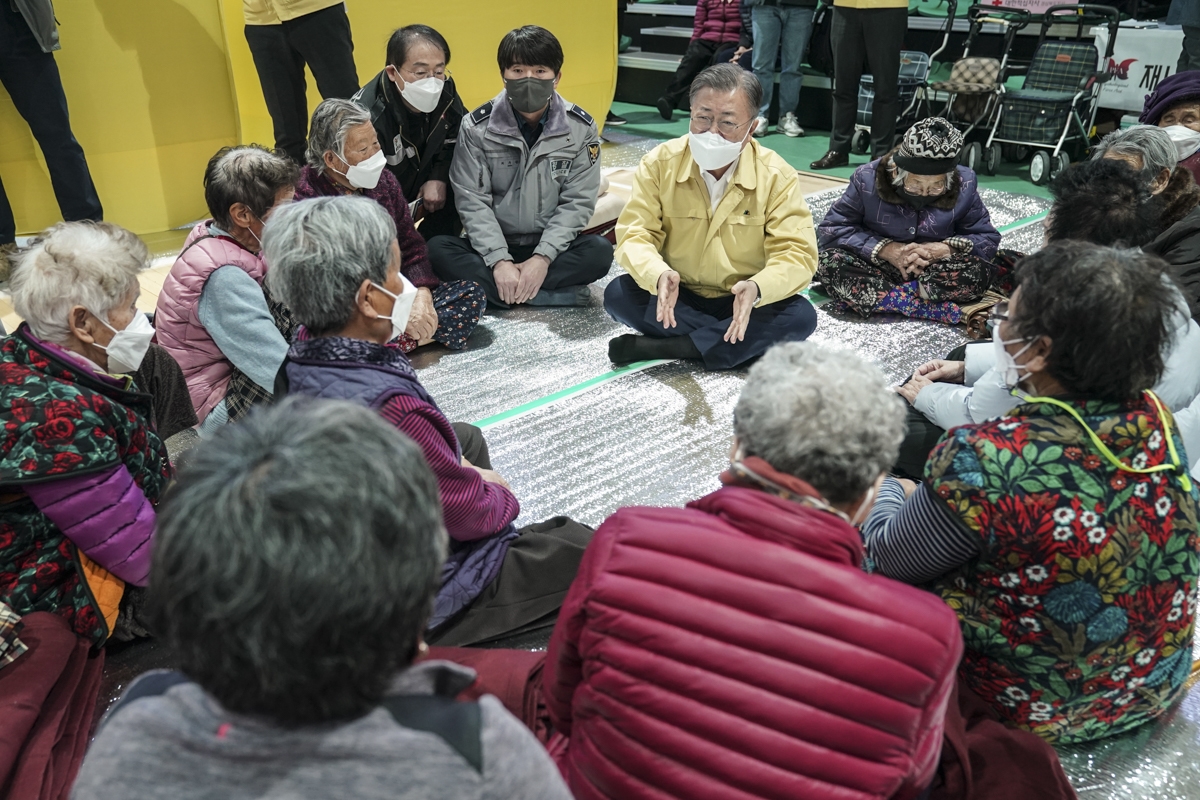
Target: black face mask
530, 95
918, 201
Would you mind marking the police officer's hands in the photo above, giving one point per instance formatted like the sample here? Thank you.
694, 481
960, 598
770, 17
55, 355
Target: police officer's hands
533, 274
668, 294
507, 276
745, 293
433, 195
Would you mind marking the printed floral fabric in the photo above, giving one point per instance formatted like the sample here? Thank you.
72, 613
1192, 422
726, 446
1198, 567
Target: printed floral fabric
60, 421
459, 305
1078, 616
862, 286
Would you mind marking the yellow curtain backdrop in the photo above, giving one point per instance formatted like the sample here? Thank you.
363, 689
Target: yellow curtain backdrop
155, 87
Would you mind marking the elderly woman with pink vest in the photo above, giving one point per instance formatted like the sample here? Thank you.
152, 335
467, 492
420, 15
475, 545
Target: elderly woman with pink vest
213, 314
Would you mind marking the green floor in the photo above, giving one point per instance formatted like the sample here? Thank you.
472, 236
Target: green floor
802, 151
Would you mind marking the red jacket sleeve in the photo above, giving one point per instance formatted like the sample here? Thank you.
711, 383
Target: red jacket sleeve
564, 662
701, 16
472, 507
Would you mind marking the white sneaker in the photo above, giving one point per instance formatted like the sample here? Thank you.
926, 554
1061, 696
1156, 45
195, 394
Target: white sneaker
790, 125
761, 129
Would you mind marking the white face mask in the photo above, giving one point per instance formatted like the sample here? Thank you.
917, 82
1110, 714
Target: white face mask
402, 308
423, 95
1006, 362
365, 174
1187, 141
127, 347
712, 151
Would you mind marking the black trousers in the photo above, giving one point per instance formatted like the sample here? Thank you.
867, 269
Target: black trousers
921, 435
321, 40
586, 260
32, 80
872, 36
706, 319
699, 55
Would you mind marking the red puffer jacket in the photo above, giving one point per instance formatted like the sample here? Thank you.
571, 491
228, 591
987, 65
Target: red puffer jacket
717, 21
735, 649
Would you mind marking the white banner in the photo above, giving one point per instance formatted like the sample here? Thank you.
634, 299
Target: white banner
1142, 58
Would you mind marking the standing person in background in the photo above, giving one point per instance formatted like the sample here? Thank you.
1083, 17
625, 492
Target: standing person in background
284, 36
613, 119
717, 23
865, 32
416, 111
1187, 14
526, 173
785, 24
28, 39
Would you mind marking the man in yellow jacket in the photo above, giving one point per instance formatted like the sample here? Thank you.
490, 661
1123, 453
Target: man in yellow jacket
716, 238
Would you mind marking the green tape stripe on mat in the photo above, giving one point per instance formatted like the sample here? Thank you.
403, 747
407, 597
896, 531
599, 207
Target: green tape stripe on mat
817, 298
570, 391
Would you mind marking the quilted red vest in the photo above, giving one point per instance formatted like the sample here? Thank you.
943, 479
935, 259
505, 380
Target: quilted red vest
735, 649
717, 21
177, 317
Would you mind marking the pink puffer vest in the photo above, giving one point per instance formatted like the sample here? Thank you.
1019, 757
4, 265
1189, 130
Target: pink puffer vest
177, 317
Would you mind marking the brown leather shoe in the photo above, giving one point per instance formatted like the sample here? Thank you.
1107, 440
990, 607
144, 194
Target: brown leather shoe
830, 160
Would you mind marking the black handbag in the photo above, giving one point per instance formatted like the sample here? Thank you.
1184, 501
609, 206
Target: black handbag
820, 44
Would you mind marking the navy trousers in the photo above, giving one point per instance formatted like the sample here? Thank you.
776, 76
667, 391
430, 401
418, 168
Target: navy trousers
707, 319
32, 80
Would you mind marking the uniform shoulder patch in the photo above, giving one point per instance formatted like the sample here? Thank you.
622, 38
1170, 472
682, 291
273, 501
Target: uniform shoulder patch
482, 113
583, 115
593, 151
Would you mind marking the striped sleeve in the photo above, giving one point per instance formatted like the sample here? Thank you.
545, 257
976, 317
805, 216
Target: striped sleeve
917, 539
471, 507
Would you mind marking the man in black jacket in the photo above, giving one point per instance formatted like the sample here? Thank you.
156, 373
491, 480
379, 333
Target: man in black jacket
416, 111
28, 39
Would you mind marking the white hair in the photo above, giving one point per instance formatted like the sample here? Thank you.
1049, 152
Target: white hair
89, 264
821, 414
1149, 144
331, 122
321, 250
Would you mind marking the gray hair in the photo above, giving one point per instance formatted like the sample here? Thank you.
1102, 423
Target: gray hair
249, 174
89, 264
725, 78
823, 415
331, 122
1150, 145
320, 251
296, 561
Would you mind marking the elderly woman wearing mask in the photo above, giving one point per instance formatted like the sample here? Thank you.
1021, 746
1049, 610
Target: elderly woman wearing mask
213, 315
81, 471
910, 235
344, 157
336, 263
1175, 202
1174, 105
1064, 532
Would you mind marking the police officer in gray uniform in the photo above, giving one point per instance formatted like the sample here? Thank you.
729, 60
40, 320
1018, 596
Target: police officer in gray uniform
525, 175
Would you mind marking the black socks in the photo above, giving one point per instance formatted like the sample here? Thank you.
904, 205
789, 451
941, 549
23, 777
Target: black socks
632, 347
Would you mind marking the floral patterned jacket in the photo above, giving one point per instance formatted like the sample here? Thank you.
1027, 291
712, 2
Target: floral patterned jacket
1078, 616
60, 421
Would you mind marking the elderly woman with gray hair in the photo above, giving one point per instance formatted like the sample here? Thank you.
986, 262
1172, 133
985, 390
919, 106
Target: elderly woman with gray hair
335, 261
344, 158
1175, 201
910, 235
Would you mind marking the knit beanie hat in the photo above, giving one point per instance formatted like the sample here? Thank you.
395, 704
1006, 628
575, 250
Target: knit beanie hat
930, 147
1171, 91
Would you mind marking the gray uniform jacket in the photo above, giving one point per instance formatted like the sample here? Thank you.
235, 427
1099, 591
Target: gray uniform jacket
40, 16
509, 194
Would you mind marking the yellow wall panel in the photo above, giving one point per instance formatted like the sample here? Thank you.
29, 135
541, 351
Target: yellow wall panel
155, 87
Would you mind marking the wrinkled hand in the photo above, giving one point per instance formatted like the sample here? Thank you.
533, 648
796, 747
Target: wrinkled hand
744, 295
433, 193
908, 486
910, 390
741, 51
533, 274
895, 254
423, 321
491, 476
939, 371
668, 295
507, 276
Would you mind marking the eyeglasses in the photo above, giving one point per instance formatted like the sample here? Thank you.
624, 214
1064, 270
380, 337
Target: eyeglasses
927, 191
999, 313
727, 127
420, 75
